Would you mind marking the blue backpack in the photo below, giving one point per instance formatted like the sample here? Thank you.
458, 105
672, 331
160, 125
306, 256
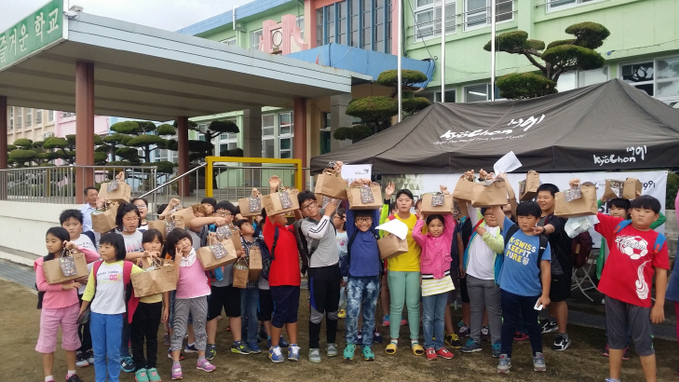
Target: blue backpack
659, 240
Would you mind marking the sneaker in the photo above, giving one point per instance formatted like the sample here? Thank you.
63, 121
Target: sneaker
342, 313
377, 337
485, 333
283, 343
496, 349
349, 352
276, 355
293, 353
504, 365
445, 353
539, 362
368, 354
90, 356
141, 376
404, 322
314, 355
385, 320
190, 349
205, 365
166, 340
453, 340
127, 364
518, 336
81, 360
332, 350
240, 348
464, 331
181, 355
431, 354
625, 355
471, 346
153, 375
605, 351
177, 372
210, 352
254, 348
74, 378
549, 326
561, 343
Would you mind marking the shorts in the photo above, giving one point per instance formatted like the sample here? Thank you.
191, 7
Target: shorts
621, 315
50, 320
265, 307
560, 288
463, 290
226, 297
285, 304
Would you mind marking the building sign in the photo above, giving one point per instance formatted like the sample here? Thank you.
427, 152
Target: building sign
32, 34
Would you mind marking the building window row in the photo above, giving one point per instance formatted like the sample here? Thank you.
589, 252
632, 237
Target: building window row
658, 78
364, 24
477, 14
277, 135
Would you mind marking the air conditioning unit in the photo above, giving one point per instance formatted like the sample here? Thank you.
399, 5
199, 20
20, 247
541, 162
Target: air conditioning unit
48, 134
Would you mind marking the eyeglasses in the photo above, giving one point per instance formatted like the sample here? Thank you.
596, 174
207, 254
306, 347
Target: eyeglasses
140, 207
130, 220
309, 206
222, 214
364, 220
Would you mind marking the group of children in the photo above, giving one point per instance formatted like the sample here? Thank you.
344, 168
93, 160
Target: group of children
505, 265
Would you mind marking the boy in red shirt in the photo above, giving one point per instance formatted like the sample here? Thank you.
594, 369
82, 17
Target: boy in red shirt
636, 253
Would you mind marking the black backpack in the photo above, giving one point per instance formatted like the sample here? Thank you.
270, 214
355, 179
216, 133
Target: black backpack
302, 246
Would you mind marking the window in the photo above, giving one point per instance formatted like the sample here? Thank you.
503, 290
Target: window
319, 27
38, 117
450, 96
277, 135
50, 115
555, 5
330, 24
359, 23
256, 40
29, 117
268, 136
477, 12
658, 78
300, 24
428, 18
342, 35
285, 122
580, 78
354, 23
478, 93
66, 114
227, 141
326, 134
367, 23
231, 41
11, 118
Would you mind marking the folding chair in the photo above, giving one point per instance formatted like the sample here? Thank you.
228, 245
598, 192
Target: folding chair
580, 281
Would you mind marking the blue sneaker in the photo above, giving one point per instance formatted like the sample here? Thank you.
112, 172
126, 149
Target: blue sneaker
496, 349
127, 364
283, 343
471, 346
293, 353
276, 355
254, 348
504, 365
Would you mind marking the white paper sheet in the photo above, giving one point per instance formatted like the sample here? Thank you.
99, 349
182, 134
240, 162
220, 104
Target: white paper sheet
508, 163
396, 227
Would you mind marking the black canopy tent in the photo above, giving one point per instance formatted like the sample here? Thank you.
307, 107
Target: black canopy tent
609, 126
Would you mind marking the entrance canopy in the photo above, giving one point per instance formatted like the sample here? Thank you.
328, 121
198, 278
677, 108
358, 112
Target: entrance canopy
143, 72
609, 126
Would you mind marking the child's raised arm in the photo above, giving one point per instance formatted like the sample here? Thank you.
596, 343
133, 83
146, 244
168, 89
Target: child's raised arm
510, 194
418, 236
499, 216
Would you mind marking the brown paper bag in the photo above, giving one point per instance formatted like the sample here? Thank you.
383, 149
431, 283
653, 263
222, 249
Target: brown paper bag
331, 185
427, 208
254, 263
183, 217
252, 205
356, 201
122, 194
53, 271
158, 225
391, 246
613, 189
584, 206
463, 189
459, 208
631, 187
274, 204
208, 256
528, 188
241, 273
494, 194
104, 221
158, 277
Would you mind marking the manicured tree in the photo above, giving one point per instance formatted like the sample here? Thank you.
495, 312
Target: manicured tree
23, 157
552, 61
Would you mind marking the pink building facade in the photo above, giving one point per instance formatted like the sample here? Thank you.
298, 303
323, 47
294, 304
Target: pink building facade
65, 124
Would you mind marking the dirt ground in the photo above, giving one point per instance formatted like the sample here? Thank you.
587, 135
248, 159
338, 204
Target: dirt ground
19, 323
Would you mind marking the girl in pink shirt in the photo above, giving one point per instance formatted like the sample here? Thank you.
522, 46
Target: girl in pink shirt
60, 306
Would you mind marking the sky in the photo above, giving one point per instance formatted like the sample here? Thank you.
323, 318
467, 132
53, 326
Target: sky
163, 14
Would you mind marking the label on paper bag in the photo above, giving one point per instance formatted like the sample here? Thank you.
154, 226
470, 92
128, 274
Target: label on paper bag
572, 194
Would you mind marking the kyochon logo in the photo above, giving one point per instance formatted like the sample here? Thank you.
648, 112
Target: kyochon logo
507, 132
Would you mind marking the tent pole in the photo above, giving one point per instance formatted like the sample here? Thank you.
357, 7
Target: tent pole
443, 51
399, 43
492, 50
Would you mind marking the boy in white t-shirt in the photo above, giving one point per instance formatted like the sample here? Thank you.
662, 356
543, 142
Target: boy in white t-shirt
72, 221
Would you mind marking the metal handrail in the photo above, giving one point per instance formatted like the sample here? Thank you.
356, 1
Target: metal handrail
174, 180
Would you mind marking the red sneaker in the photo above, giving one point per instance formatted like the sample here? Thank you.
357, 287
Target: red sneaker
444, 353
431, 354
518, 336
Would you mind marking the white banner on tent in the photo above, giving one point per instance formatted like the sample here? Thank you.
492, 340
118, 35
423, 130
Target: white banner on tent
351, 172
654, 183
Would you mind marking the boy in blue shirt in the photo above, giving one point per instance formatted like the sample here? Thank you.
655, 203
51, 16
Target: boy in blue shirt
524, 280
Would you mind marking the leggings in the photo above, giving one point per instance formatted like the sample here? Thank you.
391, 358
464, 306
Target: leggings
676, 310
197, 307
404, 286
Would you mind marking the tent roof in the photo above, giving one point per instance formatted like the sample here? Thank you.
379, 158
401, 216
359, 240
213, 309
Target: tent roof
143, 72
608, 126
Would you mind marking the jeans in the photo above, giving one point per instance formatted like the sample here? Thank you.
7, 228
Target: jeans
484, 294
106, 333
361, 291
515, 309
433, 322
125, 340
249, 299
404, 286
